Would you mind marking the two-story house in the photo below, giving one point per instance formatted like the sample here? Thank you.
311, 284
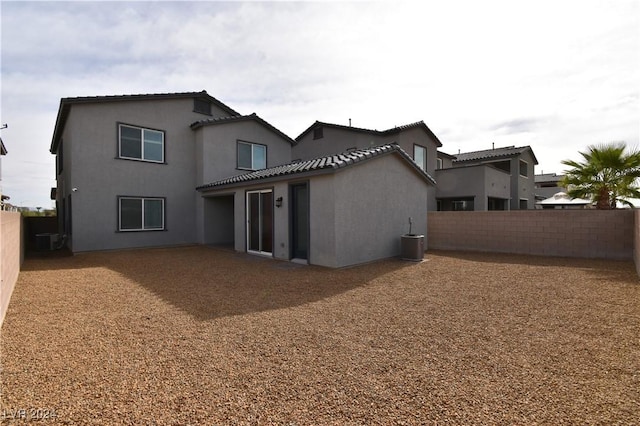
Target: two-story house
127, 166
416, 139
547, 185
492, 179
184, 168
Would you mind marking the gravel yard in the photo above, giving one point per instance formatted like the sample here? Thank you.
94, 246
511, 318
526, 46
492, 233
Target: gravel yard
198, 335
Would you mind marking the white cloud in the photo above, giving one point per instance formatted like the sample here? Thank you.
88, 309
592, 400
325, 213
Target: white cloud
556, 75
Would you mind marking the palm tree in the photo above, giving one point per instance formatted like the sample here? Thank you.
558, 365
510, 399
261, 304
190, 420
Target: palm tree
607, 175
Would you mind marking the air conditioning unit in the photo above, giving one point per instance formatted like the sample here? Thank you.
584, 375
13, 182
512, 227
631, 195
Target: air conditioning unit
47, 241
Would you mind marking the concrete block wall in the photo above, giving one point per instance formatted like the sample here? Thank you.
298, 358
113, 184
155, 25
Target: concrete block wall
11, 256
607, 234
636, 240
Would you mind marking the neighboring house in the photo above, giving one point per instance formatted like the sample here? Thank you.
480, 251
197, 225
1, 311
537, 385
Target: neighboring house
561, 200
416, 139
547, 185
493, 179
128, 168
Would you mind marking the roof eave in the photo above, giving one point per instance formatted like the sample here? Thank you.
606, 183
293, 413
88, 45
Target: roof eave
287, 176
65, 106
250, 117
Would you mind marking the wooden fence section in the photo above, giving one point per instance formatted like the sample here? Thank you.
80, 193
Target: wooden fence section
607, 234
11, 256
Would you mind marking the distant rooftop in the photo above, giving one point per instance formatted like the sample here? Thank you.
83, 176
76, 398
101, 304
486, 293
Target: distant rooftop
418, 124
547, 177
495, 153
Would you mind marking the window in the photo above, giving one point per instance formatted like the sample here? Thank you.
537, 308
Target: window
202, 106
462, 205
524, 169
138, 143
524, 204
318, 133
252, 156
141, 214
438, 163
420, 156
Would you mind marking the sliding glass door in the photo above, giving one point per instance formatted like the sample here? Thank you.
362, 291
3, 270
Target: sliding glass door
260, 221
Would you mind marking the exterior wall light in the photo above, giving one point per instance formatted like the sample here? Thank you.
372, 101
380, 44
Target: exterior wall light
279, 202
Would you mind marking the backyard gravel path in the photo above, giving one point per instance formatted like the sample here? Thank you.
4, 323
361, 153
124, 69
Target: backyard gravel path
198, 335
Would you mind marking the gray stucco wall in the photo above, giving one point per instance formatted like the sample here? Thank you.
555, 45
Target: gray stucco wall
216, 154
322, 221
90, 140
373, 205
356, 214
333, 141
219, 214
336, 140
479, 181
217, 148
525, 186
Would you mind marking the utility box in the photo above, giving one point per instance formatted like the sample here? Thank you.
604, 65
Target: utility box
46, 242
412, 247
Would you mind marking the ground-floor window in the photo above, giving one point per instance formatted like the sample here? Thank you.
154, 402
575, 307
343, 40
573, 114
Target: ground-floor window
497, 204
524, 204
456, 204
141, 213
462, 205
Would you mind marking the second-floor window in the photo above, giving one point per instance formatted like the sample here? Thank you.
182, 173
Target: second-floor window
252, 156
420, 156
138, 143
524, 169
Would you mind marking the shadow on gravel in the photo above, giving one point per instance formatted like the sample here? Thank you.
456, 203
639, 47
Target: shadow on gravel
623, 271
210, 283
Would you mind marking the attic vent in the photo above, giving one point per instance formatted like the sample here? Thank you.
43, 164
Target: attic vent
318, 133
202, 106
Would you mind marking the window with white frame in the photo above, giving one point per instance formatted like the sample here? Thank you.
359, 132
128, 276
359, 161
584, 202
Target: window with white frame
252, 156
524, 168
138, 143
140, 214
420, 156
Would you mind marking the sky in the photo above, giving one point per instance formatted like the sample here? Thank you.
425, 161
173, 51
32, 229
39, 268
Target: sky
555, 75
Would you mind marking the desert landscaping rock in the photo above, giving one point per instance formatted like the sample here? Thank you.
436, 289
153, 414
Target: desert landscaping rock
198, 335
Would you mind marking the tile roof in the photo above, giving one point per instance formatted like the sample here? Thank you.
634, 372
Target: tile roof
327, 164
65, 105
393, 130
239, 118
547, 177
489, 154
149, 96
